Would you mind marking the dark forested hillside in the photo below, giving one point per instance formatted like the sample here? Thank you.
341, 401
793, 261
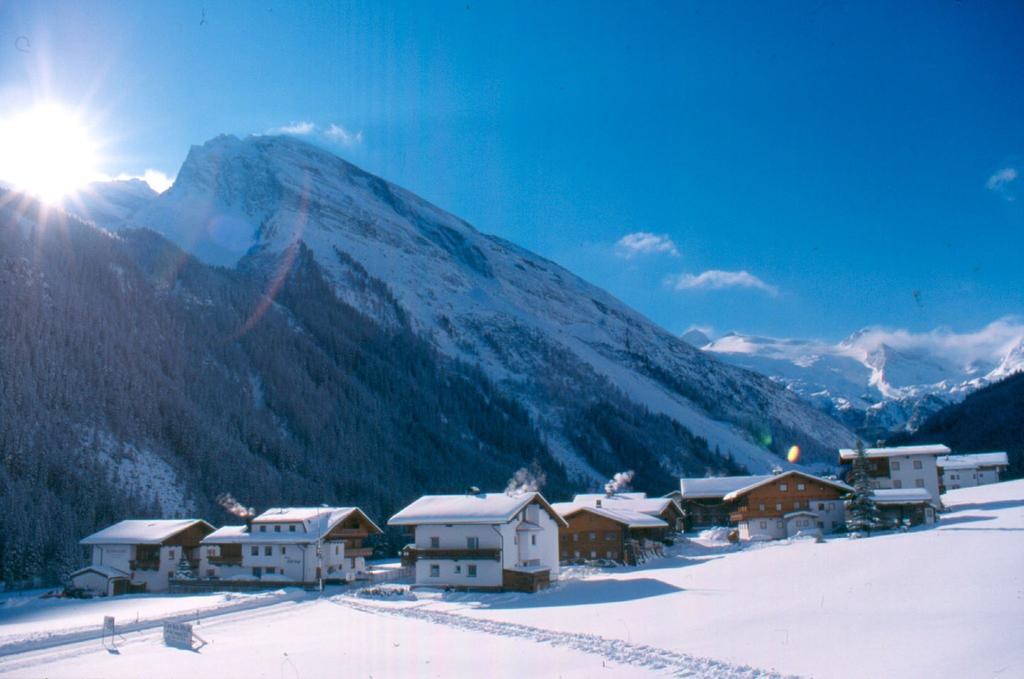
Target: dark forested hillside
989, 419
136, 381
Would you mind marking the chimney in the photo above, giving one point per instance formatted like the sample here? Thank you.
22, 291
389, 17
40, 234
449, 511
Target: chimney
776, 470
473, 490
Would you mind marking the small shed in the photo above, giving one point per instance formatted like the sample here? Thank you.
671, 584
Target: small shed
101, 580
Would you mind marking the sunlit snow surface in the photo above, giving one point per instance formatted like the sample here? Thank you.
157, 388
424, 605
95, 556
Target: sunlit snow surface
934, 602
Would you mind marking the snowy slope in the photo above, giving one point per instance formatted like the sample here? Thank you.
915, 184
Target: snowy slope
544, 334
866, 381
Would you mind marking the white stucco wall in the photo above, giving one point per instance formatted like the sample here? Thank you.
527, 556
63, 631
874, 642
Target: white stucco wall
120, 557
902, 474
94, 582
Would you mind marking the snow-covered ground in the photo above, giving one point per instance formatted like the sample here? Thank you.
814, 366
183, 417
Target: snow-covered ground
938, 602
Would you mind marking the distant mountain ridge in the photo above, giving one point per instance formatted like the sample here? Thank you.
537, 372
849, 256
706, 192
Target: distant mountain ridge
867, 382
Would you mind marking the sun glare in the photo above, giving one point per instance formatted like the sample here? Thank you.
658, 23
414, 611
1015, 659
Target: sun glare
46, 151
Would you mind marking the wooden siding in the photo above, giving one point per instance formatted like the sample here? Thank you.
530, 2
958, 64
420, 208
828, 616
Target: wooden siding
791, 499
518, 581
190, 537
576, 538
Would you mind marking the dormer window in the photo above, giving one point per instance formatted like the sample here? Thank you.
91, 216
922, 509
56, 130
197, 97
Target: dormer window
783, 487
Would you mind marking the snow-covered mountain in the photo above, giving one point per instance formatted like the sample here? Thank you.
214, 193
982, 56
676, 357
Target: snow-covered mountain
544, 335
878, 381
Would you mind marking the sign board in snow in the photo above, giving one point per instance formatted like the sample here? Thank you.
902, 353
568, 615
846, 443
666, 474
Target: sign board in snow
108, 625
178, 635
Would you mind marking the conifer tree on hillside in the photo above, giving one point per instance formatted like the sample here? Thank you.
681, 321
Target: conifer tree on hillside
861, 503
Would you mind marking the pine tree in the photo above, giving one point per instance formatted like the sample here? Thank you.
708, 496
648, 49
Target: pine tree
184, 569
861, 503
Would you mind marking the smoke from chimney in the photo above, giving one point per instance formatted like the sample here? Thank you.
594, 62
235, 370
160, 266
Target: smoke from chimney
525, 481
619, 482
233, 506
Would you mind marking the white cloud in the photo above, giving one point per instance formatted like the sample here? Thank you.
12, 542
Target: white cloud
715, 279
990, 343
645, 243
1001, 179
343, 136
303, 127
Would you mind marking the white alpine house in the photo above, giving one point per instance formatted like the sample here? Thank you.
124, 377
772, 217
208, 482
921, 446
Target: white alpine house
902, 467
291, 544
964, 471
483, 541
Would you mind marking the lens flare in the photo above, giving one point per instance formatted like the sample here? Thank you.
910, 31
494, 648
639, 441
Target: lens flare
794, 453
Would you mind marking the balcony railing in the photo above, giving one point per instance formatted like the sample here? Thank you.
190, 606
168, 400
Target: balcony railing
413, 553
144, 565
359, 551
226, 560
349, 533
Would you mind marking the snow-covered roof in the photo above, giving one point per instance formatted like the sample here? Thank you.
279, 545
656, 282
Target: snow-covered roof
469, 508
630, 501
316, 522
784, 475
973, 460
627, 517
930, 449
715, 486
901, 496
313, 518
141, 531
105, 571
800, 512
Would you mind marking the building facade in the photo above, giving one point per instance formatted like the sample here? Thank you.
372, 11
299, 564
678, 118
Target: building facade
482, 541
964, 471
618, 535
789, 503
901, 467
291, 544
703, 499
140, 555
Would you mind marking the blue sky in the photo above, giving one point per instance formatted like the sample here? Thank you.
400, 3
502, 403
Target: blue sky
807, 168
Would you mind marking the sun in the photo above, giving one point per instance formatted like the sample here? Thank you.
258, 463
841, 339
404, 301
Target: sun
47, 151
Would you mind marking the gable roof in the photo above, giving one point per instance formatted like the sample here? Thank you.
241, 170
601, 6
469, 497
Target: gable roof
839, 485
108, 572
625, 517
316, 521
480, 508
973, 460
141, 531
930, 449
637, 502
715, 486
901, 496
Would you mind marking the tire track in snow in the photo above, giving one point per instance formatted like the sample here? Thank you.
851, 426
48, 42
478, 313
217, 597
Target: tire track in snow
616, 650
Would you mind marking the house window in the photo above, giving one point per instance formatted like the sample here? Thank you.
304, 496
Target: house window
257, 571
917, 464
263, 529
783, 487
778, 524
576, 553
608, 555
435, 570
896, 483
609, 537
471, 570
592, 536
919, 483
800, 486
170, 553
593, 554
268, 550
533, 538
760, 507
576, 538
284, 551
254, 550
821, 506
472, 543
763, 525
458, 569
895, 465
270, 570
435, 542
291, 528
778, 506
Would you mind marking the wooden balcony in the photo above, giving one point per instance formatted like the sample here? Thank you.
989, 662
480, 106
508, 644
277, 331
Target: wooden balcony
359, 551
412, 554
146, 565
347, 533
